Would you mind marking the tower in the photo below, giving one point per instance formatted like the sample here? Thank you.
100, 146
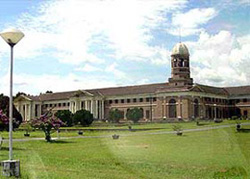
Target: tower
180, 70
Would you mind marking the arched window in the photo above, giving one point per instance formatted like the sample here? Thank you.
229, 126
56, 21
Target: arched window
172, 108
142, 112
196, 108
175, 62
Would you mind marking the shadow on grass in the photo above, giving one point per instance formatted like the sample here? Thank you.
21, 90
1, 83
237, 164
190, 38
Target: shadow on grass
202, 124
234, 172
7, 148
60, 142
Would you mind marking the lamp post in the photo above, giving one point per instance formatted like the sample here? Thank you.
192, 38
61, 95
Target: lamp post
12, 37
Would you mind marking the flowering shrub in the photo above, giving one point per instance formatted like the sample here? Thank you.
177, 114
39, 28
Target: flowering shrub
4, 121
47, 122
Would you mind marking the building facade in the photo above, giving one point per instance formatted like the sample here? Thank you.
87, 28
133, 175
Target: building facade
179, 98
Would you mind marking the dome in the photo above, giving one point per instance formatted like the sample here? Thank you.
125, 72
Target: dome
180, 49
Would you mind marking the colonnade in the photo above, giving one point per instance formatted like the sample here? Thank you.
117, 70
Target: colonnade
96, 107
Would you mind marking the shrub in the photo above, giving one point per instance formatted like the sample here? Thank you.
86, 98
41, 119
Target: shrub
134, 114
115, 115
46, 123
83, 117
66, 116
4, 107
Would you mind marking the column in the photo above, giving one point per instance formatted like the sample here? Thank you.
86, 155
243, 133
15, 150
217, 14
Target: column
26, 112
102, 109
125, 113
92, 106
164, 108
96, 109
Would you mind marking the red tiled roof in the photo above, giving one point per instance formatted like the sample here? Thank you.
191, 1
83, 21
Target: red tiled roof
144, 89
238, 90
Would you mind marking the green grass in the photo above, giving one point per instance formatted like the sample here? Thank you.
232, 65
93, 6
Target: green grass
218, 153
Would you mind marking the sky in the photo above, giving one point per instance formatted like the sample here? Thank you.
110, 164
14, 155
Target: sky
87, 44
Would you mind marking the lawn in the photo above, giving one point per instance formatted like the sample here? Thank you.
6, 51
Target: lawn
218, 153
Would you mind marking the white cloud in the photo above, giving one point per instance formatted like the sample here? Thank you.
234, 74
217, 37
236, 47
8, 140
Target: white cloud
88, 68
34, 84
116, 72
70, 30
221, 59
190, 23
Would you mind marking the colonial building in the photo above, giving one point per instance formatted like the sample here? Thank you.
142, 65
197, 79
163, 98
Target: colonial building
179, 98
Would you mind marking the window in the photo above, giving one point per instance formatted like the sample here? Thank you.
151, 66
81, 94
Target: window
59, 104
196, 108
141, 99
50, 105
134, 100
244, 100
172, 108
122, 100
147, 100
154, 98
110, 101
68, 104
128, 100
116, 101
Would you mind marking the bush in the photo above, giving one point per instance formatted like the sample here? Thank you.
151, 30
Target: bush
134, 114
4, 107
47, 122
83, 117
115, 115
66, 116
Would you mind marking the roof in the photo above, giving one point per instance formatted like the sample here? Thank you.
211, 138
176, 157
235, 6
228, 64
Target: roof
131, 90
144, 89
180, 49
115, 91
238, 90
212, 89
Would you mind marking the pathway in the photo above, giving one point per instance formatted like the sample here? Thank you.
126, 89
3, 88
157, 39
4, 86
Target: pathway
131, 134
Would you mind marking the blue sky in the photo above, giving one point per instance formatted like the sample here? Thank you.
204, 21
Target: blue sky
71, 45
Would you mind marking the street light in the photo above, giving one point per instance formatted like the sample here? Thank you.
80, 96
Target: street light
12, 37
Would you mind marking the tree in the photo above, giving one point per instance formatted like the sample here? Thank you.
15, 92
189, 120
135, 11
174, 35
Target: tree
19, 94
46, 123
134, 114
115, 115
4, 107
83, 117
48, 92
66, 116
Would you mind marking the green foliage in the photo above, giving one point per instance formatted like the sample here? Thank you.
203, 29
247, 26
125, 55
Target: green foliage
134, 114
83, 117
46, 123
4, 106
234, 117
115, 115
66, 116
26, 126
177, 127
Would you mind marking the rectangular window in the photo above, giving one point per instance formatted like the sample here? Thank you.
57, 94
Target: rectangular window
154, 98
64, 104
68, 104
141, 99
147, 99
116, 101
128, 100
50, 105
110, 101
122, 100
59, 104
134, 100
244, 100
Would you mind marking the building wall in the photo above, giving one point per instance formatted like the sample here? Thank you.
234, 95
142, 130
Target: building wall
157, 105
